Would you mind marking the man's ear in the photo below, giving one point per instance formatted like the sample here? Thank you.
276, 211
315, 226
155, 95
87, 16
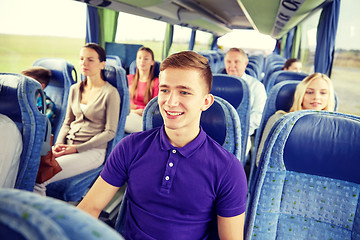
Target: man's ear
208, 101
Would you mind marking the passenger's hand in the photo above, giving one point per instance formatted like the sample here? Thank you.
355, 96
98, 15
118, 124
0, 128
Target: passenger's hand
138, 111
63, 149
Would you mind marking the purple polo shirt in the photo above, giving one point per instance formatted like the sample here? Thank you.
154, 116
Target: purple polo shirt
175, 193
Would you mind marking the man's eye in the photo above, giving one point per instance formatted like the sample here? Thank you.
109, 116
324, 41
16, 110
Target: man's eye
184, 93
164, 90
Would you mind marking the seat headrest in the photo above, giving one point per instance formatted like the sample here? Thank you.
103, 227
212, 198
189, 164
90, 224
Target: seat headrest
325, 144
229, 88
110, 75
285, 96
288, 75
60, 69
213, 121
9, 97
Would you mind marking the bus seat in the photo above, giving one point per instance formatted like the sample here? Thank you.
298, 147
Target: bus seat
74, 188
251, 72
132, 68
272, 68
280, 98
18, 96
308, 183
113, 60
58, 88
220, 121
26, 215
235, 91
282, 75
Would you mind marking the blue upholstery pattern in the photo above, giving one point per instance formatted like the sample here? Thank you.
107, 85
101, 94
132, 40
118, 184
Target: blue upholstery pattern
308, 185
132, 68
235, 91
281, 97
282, 75
220, 121
35, 217
58, 88
18, 96
73, 189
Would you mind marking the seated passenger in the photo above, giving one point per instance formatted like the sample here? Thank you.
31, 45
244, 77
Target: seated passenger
10, 151
91, 119
236, 61
42, 75
315, 92
143, 86
181, 183
293, 64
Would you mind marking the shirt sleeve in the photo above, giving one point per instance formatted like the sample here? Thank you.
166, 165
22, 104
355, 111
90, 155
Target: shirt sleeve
257, 100
231, 199
115, 170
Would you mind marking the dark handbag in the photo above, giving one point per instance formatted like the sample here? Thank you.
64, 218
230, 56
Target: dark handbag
48, 165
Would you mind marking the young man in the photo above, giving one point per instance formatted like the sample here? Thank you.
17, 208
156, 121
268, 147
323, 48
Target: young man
42, 75
236, 61
180, 181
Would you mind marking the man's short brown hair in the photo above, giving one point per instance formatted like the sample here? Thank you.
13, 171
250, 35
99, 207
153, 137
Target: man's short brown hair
190, 60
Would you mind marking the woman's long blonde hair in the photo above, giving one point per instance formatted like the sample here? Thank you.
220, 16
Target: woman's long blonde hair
303, 85
150, 80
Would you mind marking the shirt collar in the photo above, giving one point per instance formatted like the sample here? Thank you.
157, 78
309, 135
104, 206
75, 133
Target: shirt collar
188, 149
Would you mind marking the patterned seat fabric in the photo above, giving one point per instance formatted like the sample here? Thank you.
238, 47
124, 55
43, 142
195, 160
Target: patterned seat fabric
235, 91
18, 96
308, 184
58, 88
26, 215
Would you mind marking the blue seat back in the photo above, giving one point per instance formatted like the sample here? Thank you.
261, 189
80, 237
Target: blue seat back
132, 68
283, 75
235, 91
220, 121
308, 185
58, 88
26, 215
281, 97
113, 60
73, 189
18, 96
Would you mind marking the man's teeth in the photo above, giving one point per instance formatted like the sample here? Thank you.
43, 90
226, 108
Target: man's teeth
174, 114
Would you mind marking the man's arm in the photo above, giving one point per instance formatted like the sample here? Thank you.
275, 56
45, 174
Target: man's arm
98, 197
231, 228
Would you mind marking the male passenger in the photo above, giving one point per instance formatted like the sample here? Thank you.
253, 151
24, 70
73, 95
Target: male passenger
180, 181
236, 61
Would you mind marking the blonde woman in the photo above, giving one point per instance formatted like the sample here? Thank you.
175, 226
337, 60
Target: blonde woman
315, 92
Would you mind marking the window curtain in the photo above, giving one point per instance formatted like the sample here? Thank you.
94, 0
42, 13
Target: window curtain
92, 25
192, 39
325, 39
169, 33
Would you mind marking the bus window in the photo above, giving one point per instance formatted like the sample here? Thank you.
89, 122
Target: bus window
181, 39
31, 32
346, 66
202, 41
308, 42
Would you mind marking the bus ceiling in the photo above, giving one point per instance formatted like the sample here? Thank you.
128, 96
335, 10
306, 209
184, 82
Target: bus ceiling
270, 17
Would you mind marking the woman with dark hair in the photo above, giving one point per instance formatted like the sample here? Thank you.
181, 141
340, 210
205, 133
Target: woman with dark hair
91, 119
293, 65
143, 86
